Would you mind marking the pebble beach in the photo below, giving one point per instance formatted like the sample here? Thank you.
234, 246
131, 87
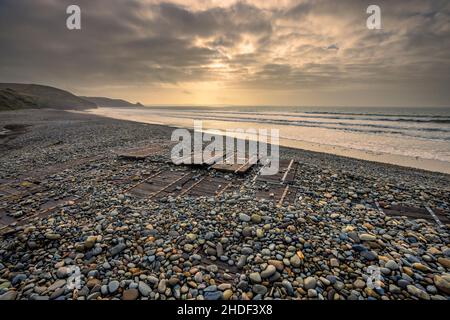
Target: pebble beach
233, 247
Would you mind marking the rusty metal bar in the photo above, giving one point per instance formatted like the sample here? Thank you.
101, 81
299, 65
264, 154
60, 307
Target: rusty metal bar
141, 182
434, 217
224, 189
287, 171
280, 203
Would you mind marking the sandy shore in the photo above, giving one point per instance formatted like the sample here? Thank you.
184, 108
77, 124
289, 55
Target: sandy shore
130, 230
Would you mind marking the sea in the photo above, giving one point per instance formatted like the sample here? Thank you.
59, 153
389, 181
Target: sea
420, 133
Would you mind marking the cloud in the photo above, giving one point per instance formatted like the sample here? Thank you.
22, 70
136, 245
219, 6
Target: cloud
250, 45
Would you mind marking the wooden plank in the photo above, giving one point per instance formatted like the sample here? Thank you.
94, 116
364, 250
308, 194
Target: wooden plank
235, 167
145, 180
416, 213
138, 153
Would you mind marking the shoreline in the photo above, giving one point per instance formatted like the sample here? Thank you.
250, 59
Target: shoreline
137, 230
399, 160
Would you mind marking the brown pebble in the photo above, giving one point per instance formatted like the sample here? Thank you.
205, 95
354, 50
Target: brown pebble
130, 294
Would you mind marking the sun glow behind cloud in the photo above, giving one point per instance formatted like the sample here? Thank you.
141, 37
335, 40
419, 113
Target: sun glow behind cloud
233, 52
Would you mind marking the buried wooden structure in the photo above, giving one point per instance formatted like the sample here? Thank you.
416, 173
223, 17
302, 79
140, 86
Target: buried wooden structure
222, 162
279, 187
45, 209
31, 186
182, 183
188, 183
438, 216
238, 165
286, 173
280, 194
139, 153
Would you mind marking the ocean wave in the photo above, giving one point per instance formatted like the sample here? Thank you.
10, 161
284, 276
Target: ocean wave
352, 127
306, 122
345, 116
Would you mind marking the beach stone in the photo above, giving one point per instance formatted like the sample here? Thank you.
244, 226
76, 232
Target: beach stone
334, 262
268, 272
152, 280
295, 261
421, 267
310, 283
367, 237
279, 265
446, 252
259, 233
288, 286
325, 281
118, 249
227, 294
219, 249
359, 248
52, 236
90, 242
130, 294
247, 231
212, 268
241, 262
432, 289
394, 289
57, 293
224, 286
392, 265
359, 284
213, 295
442, 282
312, 293
243, 217
418, 292
198, 277
113, 286
62, 272
191, 237
255, 277
144, 289
445, 262
162, 286
18, 279
56, 285
256, 218
9, 295
369, 255
104, 290
259, 289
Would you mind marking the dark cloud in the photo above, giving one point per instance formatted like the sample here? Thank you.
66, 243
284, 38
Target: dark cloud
308, 44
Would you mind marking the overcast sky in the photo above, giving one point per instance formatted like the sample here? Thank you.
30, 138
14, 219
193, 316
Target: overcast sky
285, 52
